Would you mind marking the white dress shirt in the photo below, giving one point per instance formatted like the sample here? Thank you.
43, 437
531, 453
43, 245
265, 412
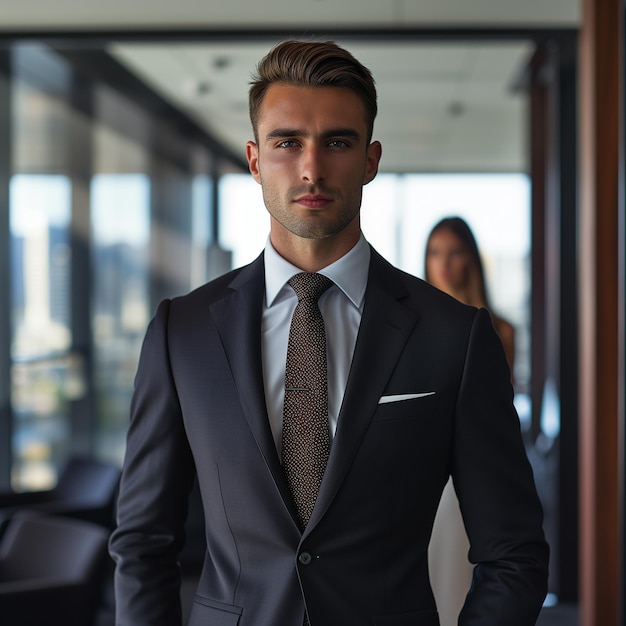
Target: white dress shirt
341, 306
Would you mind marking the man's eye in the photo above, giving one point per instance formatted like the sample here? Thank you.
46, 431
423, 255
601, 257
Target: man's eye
338, 143
287, 143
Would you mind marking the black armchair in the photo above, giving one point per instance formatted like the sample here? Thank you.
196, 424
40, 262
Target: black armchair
86, 490
51, 571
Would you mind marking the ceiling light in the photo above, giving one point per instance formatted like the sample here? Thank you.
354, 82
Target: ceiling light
197, 88
456, 108
221, 62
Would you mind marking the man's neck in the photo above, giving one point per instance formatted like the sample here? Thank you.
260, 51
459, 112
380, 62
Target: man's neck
312, 255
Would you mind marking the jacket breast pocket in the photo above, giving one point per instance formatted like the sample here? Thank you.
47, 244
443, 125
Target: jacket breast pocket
206, 611
422, 407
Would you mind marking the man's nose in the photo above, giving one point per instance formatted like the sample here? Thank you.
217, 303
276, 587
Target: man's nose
312, 165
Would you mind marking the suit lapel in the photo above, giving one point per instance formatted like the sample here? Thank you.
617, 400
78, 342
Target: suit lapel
238, 320
385, 326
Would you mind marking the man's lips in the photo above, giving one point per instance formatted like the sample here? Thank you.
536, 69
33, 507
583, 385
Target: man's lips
313, 201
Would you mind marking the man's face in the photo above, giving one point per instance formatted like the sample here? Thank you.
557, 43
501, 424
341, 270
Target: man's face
312, 161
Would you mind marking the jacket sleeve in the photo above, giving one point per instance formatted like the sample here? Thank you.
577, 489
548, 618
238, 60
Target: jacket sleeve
157, 476
495, 485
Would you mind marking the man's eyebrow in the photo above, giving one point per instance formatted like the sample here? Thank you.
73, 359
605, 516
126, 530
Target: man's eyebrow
348, 133
279, 133
284, 132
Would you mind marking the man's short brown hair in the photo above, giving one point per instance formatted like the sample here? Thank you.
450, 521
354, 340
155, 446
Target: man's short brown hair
312, 64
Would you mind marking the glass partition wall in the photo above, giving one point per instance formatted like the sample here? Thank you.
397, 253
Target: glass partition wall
108, 211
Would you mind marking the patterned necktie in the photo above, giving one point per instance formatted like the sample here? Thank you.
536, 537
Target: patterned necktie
306, 438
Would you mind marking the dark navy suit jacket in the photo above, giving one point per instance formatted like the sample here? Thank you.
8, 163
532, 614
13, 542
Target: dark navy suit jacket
199, 407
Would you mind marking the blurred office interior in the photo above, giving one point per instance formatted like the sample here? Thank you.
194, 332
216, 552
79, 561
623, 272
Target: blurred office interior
123, 181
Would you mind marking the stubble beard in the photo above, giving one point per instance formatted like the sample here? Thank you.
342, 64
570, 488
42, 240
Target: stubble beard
318, 224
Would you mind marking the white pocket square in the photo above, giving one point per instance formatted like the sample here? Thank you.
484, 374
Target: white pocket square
404, 396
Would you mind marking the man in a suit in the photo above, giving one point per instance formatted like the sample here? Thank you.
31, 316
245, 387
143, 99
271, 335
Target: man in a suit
417, 389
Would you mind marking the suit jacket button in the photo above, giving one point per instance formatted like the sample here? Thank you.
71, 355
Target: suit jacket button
305, 558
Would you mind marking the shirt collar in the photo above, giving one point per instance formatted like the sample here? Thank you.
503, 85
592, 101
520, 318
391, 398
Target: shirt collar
349, 272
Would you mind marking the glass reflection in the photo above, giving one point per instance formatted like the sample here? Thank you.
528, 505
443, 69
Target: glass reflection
44, 375
120, 222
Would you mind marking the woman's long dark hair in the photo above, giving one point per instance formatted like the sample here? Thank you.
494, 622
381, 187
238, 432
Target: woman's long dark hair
460, 228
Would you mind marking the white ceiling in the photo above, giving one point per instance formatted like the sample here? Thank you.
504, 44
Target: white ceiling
444, 106
147, 14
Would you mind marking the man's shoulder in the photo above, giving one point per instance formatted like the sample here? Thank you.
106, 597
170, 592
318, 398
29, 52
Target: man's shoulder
222, 285
416, 290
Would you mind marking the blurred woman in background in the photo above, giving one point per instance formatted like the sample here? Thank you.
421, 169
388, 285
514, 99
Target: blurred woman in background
453, 264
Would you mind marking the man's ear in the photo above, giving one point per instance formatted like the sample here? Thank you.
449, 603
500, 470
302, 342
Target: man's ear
252, 154
374, 152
